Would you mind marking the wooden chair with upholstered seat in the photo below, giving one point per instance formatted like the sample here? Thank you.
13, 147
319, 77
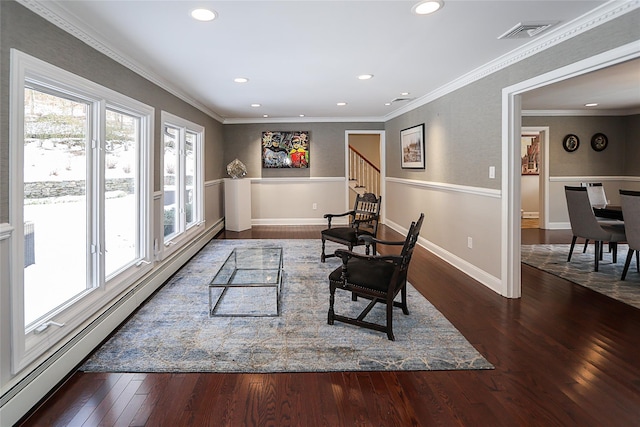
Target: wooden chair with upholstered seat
377, 278
363, 220
584, 224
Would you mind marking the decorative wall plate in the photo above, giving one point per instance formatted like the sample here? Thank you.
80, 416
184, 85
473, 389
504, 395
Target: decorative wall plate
570, 143
599, 141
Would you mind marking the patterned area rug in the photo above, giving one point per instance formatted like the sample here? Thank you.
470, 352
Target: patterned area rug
173, 332
553, 259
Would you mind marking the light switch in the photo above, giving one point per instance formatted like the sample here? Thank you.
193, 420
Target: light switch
492, 172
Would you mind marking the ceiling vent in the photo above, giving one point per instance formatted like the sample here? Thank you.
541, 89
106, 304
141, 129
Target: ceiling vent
525, 30
401, 98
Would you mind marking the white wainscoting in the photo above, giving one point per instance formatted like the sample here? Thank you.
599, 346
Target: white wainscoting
291, 201
453, 214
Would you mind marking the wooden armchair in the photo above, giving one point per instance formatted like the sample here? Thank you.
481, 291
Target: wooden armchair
363, 220
377, 278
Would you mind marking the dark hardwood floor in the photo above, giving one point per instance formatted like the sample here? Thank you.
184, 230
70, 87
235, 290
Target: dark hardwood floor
563, 356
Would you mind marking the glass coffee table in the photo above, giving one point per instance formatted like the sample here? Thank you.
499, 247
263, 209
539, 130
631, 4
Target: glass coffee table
248, 284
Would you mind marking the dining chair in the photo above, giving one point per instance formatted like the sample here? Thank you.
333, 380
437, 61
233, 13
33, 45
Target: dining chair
630, 202
598, 197
584, 224
596, 193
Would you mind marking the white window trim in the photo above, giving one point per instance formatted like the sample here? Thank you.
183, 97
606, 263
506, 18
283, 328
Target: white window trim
27, 346
178, 240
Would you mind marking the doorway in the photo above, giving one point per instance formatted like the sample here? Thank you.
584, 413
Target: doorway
534, 149
511, 159
364, 165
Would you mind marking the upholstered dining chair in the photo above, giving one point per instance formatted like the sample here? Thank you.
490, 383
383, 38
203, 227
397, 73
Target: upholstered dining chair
376, 278
584, 224
597, 197
363, 220
596, 193
630, 202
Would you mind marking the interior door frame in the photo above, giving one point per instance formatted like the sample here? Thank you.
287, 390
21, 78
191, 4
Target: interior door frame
382, 145
511, 286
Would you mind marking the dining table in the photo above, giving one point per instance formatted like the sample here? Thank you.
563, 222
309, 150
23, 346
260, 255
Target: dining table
608, 211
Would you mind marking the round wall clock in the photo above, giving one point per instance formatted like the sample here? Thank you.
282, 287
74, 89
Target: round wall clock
599, 141
570, 143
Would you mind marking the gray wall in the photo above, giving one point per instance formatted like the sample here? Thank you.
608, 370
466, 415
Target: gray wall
26, 31
463, 128
326, 147
615, 160
632, 155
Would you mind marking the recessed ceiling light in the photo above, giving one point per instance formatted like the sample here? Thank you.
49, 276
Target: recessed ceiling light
591, 104
365, 76
203, 14
387, 103
404, 93
301, 115
255, 105
265, 115
341, 104
241, 80
426, 7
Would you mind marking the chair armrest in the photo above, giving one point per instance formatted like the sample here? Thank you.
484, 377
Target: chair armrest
330, 216
345, 255
370, 239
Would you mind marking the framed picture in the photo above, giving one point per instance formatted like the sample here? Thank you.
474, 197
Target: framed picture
530, 149
412, 146
285, 149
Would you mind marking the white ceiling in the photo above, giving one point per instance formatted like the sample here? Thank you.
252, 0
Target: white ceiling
303, 57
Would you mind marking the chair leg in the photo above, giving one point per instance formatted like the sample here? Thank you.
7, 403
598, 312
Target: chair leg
332, 295
573, 243
613, 247
403, 299
390, 320
598, 253
322, 255
637, 261
586, 245
627, 263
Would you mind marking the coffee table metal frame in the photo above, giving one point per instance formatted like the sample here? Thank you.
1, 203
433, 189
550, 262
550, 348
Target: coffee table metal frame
248, 267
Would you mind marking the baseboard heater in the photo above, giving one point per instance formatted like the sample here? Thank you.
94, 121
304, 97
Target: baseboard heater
28, 392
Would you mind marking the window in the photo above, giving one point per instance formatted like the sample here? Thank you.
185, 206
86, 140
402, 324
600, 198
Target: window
80, 203
182, 180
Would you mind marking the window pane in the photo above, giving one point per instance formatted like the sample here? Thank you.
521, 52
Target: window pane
190, 169
55, 202
121, 170
171, 151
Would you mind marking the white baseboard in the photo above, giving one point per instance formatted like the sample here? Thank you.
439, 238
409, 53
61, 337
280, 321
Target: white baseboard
488, 280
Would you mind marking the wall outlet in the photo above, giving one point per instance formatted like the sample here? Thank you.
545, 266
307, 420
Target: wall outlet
492, 172
470, 242
314, 206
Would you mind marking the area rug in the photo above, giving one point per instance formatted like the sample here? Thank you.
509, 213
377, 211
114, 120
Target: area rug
173, 332
553, 259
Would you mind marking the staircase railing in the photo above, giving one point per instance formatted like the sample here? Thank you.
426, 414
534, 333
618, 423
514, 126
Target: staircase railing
363, 173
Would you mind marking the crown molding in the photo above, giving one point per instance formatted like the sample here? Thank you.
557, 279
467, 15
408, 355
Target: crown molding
232, 121
613, 9
594, 18
590, 113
